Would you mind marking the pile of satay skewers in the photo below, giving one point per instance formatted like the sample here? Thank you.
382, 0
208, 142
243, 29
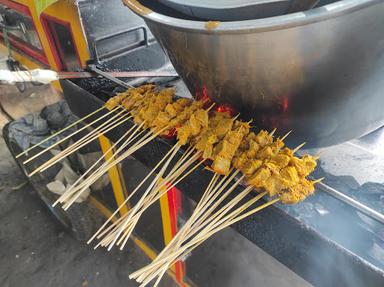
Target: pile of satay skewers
223, 144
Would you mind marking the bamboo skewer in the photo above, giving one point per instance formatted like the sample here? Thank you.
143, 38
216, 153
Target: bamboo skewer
175, 243
298, 147
213, 219
208, 231
94, 177
201, 211
193, 225
102, 127
143, 141
68, 192
217, 219
241, 217
157, 198
111, 123
59, 132
116, 152
75, 193
97, 233
201, 238
133, 224
157, 189
112, 161
71, 149
68, 137
285, 136
78, 183
149, 201
216, 228
132, 211
109, 238
211, 190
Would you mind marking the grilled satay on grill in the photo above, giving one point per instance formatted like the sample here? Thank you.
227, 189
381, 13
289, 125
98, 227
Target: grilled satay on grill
266, 163
218, 126
135, 94
270, 166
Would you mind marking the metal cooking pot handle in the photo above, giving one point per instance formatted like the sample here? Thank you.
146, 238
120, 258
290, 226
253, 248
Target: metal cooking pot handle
126, 31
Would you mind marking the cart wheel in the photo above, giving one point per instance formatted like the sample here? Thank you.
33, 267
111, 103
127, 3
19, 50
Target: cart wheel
81, 220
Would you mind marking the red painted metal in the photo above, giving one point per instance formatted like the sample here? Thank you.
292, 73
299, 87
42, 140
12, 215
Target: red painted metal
175, 207
16, 6
19, 44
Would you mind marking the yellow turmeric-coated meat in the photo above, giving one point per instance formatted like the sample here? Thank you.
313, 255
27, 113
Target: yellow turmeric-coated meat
226, 149
269, 166
192, 128
170, 112
185, 113
152, 105
297, 193
265, 161
218, 125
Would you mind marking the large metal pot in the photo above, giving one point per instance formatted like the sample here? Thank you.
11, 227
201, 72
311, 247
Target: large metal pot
319, 73
229, 10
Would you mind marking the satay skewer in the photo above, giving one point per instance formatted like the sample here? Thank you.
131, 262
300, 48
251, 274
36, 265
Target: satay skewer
143, 141
106, 242
68, 137
213, 188
160, 195
211, 229
285, 136
295, 150
216, 217
110, 162
148, 198
272, 132
91, 134
71, 149
208, 198
68, 192
60, 132
196, 221
122, 242
137, 205
99, 231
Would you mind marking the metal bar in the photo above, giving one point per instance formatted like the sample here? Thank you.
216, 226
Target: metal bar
109, 77
352, 202
124, 74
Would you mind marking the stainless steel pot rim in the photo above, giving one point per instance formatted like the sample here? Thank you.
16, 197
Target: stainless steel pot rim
226, 5
323, 13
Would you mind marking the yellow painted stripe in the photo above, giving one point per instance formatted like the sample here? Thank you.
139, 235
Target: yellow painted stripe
114, 175
101, 207
166, 219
